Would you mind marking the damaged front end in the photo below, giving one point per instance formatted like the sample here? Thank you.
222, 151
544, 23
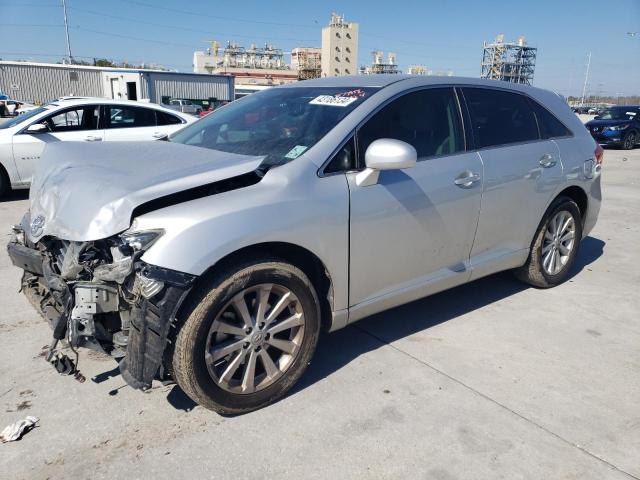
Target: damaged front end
101, 295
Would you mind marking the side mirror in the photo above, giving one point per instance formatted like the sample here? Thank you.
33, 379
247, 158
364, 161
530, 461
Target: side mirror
385, 154
37, 128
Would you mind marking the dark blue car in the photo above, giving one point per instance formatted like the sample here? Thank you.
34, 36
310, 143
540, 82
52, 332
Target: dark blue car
618, 126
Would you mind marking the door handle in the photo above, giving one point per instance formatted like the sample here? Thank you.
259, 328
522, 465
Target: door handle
547, 161
92, 138
159, 135
467, 179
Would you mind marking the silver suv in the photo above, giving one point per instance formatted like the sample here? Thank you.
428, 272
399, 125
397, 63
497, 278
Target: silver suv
215, 259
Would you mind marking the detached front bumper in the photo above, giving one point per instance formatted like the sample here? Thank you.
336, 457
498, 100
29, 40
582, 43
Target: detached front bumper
78, 317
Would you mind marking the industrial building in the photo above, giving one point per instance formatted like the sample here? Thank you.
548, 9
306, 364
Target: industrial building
307, 61
508, 61
380, 66
339, 47
42, 82
253, 66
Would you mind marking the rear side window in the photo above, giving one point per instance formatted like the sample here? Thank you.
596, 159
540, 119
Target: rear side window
427, 119
550, 126
164, 118
120, 116
499, 117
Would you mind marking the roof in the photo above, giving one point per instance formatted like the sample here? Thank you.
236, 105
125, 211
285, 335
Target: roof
109, 101
103, 69
384, 80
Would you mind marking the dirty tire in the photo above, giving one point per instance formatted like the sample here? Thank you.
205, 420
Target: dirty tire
206, 301
532, 272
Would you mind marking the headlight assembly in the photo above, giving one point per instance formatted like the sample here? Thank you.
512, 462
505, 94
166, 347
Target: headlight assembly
617, 128
141, 240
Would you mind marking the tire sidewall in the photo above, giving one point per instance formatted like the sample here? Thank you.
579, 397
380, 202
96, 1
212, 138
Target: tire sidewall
568, 205
633, 144
272, 272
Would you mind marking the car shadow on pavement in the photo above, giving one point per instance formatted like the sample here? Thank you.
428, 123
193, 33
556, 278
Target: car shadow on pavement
338, 349
15, 195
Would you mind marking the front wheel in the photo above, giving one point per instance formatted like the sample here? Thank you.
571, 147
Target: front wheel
249, 337
629, 141
554, 247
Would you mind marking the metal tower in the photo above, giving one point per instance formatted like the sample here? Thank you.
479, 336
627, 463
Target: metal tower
508, 61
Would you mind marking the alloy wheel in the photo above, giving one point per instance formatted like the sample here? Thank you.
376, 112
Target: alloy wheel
558, 243
255, 338
630, 141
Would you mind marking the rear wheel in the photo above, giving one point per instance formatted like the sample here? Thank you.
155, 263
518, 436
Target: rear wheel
555, 245
249, 338
630, 141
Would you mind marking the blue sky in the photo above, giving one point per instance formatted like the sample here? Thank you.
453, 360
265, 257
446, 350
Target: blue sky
444, 35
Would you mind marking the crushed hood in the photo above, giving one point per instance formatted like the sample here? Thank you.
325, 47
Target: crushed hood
87, 191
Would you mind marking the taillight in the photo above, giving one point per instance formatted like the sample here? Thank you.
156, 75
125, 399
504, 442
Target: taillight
599, 153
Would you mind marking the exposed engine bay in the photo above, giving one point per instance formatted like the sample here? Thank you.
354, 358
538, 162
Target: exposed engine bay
100, 295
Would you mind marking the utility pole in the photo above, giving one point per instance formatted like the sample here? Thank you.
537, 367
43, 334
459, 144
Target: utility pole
66, 30
586, 79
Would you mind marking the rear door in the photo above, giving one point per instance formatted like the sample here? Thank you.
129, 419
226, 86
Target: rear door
411, 233
73, 124
130, 123
522, 171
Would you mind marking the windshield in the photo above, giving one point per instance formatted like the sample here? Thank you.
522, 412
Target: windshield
279, 124
619, 113
22, 117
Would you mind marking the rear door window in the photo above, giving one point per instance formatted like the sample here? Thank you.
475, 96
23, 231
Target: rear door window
499, 117
125, 116
427, 119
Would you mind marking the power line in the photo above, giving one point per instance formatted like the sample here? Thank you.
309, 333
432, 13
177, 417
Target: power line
176, 27
200, 15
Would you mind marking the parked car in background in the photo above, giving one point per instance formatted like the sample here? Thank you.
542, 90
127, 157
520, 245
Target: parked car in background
24, 107
15, 107
216, 258
23, 138
184, 106
617, 126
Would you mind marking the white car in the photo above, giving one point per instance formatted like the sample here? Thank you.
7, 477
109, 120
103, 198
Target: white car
23, 138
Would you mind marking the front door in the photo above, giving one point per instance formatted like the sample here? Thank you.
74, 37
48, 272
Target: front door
73, 124
412, 232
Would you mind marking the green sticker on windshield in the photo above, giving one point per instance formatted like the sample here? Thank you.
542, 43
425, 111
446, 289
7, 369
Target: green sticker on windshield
295, 152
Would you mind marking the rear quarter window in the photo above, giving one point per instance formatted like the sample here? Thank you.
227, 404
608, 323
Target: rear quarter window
550, 126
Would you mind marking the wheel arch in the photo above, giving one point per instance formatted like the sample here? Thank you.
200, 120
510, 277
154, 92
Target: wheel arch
302, 258
578, 195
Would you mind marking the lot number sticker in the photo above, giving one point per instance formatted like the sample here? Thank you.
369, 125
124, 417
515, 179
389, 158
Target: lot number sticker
332, 101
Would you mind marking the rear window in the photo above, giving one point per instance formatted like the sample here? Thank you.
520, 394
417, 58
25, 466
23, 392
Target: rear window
499, 117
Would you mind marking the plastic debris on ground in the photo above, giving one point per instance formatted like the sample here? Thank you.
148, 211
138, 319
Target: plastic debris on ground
16, 430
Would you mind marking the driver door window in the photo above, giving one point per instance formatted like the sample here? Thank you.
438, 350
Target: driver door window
427, 119
74, 119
